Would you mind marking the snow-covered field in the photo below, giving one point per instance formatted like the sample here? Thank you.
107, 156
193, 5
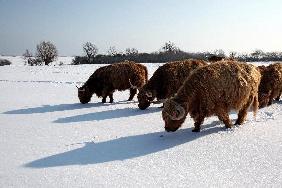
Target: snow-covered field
49, 139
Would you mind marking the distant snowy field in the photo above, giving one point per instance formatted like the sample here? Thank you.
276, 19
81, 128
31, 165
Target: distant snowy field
49, 139
19, 61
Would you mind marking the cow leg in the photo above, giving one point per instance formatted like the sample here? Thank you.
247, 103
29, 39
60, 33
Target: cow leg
224, 117
241, 116
104, 99
243, 112
132, 93
199, 120
270, 99
278, 97
104, 95
111, 98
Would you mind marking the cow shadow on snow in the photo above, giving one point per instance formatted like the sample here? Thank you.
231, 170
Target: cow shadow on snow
62, 107
109, 114
123, 148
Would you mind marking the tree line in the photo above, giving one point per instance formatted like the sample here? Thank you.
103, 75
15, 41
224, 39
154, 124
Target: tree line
46, 52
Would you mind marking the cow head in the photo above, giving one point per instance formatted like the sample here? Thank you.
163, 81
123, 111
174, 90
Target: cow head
173, 115
84, 94
145, 98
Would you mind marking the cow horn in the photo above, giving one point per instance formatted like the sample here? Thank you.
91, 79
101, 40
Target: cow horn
179, 112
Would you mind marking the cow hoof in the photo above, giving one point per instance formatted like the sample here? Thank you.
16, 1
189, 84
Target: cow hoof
236, 123
229, 127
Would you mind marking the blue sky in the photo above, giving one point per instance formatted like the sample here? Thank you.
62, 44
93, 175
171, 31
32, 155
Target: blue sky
193, 25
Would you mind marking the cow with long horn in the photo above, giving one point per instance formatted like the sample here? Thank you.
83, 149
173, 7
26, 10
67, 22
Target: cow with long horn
119, 76
215, 89
166, 80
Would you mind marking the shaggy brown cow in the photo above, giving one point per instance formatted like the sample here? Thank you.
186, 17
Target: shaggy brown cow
215, 89
119, 76
271, 84
166, 80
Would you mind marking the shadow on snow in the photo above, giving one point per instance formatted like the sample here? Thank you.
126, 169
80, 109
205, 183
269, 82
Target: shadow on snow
61, 107
122, 148
109, 114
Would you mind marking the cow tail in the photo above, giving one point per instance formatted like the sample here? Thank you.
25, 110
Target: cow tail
255, 105
146, 75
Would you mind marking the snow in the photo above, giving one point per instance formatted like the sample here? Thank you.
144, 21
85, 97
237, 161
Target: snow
49, 139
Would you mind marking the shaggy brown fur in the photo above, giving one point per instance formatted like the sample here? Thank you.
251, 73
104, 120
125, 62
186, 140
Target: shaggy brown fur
261, 68
215, 89
119, 76
271, 84
166, 80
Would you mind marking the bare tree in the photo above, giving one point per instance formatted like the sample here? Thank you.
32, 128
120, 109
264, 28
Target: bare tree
233, 55
112, 51
46, 52
90, 50
131, 51
170, 47
257, 54
27, 54
219, 53
29, 59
